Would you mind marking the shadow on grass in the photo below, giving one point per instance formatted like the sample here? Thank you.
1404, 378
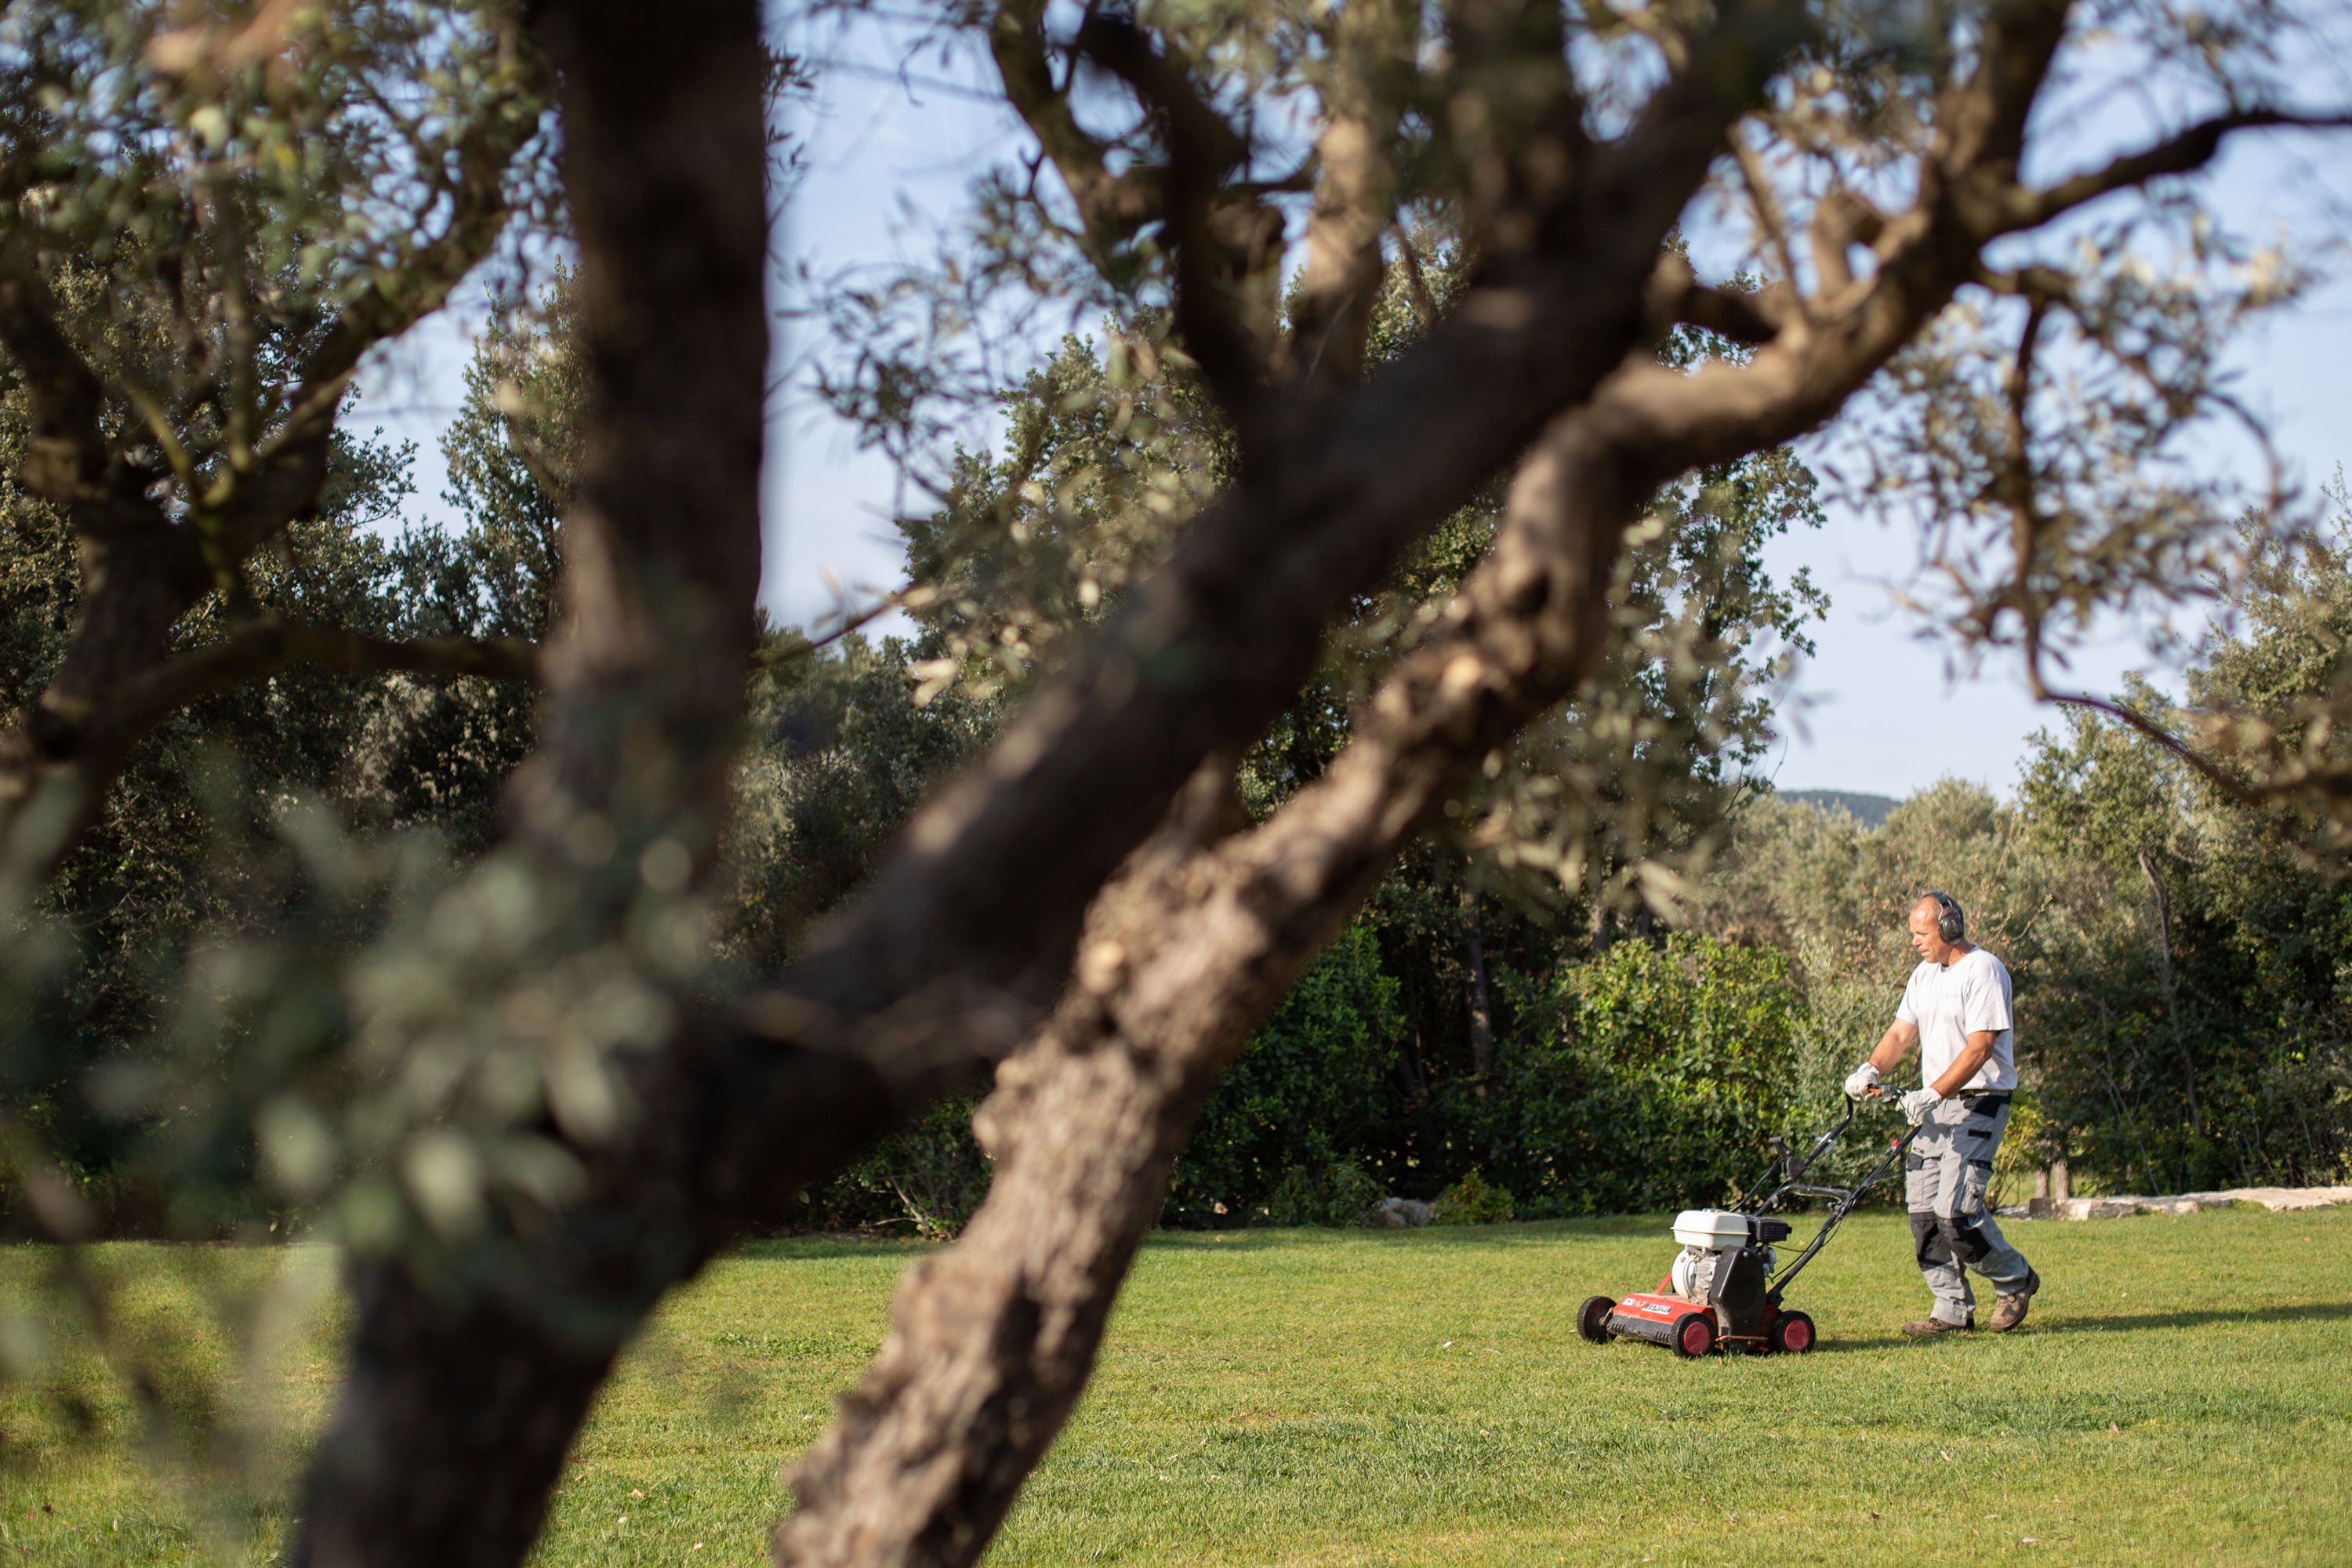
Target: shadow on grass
1825, 1345
2316, 1312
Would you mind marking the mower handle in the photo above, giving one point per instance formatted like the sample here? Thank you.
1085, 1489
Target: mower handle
1842, 1207
1791, 1170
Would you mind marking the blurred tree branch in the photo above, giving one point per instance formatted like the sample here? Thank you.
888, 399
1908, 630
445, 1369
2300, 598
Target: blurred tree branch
235, 460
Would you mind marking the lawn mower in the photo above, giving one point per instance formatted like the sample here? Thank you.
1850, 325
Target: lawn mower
1722, 1290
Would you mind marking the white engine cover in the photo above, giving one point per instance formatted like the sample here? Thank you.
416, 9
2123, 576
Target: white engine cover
1711, 1230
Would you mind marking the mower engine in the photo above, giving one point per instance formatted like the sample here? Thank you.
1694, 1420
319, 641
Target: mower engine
1716, 1293
1711, 1251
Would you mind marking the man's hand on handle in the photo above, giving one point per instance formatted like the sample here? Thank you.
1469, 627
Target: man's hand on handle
1896, 1044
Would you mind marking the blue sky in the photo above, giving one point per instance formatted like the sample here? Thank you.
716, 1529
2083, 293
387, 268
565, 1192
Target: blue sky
892, 148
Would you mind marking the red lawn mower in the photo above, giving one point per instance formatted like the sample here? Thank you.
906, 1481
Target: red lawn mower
1722, 1291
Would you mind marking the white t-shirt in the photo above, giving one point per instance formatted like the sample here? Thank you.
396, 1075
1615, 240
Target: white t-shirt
1949, 1004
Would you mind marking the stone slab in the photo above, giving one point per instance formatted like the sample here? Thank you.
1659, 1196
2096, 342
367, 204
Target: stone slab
2278, 1200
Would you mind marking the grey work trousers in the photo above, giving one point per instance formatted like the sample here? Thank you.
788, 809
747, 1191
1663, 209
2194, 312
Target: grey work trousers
1945, 1175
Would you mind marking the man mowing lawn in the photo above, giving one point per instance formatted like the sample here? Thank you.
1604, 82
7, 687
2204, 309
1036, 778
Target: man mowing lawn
1955, 1009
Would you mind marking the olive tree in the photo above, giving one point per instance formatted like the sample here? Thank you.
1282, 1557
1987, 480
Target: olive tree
1893, 193
209, 221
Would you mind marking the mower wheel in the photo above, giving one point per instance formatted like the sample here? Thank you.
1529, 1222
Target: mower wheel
1592, 1317
1695, 1335
1794, 1334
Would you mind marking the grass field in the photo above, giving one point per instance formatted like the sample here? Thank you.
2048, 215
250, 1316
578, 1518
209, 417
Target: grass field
1299, 1397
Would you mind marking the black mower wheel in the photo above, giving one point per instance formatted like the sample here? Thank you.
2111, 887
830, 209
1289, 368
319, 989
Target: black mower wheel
1592, 1317
1695, 1335
1794, 1334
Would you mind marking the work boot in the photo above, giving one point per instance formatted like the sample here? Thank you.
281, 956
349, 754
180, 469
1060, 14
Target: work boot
1928, 1328
2008, 1311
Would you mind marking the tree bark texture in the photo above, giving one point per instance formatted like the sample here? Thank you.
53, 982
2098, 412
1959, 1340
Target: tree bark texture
468, 1378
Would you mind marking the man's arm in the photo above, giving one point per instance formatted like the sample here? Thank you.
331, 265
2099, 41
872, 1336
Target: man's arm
1897, 1043
1964, 1066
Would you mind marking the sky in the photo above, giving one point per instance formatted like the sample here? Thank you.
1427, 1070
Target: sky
893, 146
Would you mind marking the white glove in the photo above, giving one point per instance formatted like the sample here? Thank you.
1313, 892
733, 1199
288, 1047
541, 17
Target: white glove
1918, 1103
1858, 1083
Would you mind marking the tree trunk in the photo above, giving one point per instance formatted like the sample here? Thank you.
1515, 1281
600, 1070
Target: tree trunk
993, 1341
451, 1429
994, 1338
1482, 1027
471, 1372
2164, 977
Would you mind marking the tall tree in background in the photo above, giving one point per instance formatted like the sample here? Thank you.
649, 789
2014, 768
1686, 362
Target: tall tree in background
208, 227
2201, 983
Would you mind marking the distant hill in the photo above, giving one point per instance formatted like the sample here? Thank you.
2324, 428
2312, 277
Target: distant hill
1870, 810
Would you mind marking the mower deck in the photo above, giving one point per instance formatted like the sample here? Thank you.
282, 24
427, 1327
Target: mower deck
1644, 1316
1694, 1329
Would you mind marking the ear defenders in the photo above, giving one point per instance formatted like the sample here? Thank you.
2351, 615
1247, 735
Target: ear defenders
1951, 921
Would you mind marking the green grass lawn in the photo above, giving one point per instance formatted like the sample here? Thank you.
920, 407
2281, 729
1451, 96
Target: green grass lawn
2180, 1395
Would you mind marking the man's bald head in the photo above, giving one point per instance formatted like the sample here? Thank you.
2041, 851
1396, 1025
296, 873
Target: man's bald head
1928, 924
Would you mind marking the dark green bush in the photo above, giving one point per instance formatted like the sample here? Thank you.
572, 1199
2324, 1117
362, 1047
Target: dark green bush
1473, 1200
1299, 1101
1646, 1078
1339, 1195
928, 1178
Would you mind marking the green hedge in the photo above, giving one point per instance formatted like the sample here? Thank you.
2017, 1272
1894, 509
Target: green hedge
1646, 1078
1279, 1141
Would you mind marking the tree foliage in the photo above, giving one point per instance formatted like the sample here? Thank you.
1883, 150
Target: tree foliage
1648, 1078
1300, 1102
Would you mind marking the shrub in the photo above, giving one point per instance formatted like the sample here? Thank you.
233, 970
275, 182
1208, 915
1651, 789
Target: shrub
1300, 1098
929, 1177
1473, 1200
1649, 1079
1339, 1195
